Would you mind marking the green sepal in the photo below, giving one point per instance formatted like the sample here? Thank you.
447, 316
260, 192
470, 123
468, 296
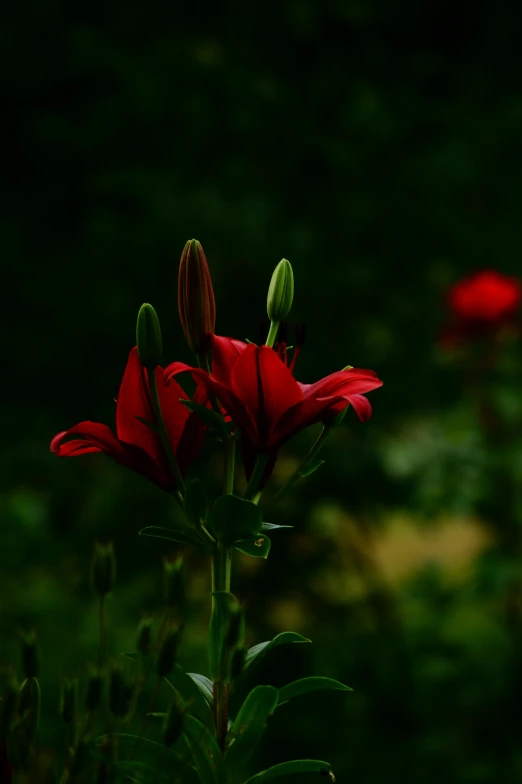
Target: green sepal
273, 526
217, 632
295, 766
256, 546
234, 518
204, 684
195, 503
206, 754
255, 653
306, 685
151, 425
208, 416
172, 535
249, 726
308, 470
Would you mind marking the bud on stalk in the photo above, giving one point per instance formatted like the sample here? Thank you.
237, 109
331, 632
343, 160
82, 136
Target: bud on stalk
103, 568
69, 701
148, 337
94, 690
280, 292
144, 636
30, 663
174, 584
197, 309
174, 724
168, 652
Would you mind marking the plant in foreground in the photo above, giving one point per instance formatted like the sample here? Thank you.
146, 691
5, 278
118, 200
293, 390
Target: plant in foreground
243, 392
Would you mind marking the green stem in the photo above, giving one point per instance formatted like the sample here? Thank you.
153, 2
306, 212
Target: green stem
257, 475
230, 461
204, 363
162, 431
312, 454
272, 334
221, 568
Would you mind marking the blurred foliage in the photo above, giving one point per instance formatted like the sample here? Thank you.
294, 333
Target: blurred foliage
377, 147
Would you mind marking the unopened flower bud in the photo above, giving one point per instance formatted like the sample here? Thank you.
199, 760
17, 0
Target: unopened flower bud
69, 701
280, 292
173, 724
174, 583
121, 694
30, 663
144, 636
148, 337
237, 662
197, 309
168, 652
103, 568
94, 694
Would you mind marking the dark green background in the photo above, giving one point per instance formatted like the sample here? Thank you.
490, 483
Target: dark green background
377, 146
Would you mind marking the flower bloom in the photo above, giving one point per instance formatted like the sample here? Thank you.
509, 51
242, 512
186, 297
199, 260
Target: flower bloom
136, 444
259, 392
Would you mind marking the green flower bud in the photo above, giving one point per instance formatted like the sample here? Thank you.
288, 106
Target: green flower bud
148, 337
30, 663
69, 701
103, 568
144, 637
94, 694
174, 583
168, 652
197, 308
280, 292
173, 724
121, 694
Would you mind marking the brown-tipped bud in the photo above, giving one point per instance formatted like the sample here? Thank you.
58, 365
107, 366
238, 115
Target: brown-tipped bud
236, 628
103, 568
197, 309
121, 694
144, 636
168, 652
94, 693
69, 701
9, 703
237, 662
105, 772
174, 584
173, 724
30, 662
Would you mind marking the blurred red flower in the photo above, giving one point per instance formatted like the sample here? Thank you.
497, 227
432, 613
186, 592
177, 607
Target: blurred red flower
480, 304
136, 445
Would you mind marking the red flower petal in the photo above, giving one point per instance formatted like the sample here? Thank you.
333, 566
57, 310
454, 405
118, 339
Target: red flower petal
306, 412
266, 387
362, 406
133, 402
225, 353
343, 383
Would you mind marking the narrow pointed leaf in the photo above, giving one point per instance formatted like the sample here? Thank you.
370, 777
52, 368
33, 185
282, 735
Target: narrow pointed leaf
255, 653
208, 416
306, 685
295, 766
256, 546
308, 470
186, 539
206, 754
249, 726
273, 526
233, 518
204, 684
191, 695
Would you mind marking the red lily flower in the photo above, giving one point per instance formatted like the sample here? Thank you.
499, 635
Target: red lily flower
259, 392
135, 444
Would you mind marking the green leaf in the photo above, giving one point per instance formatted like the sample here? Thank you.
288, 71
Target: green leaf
204, 684
205, 751
306, 685
137, 746
208, 417
273, 526
249, 726
192, 695
308, 470
255, 653
218, 627
186, 539
256, 546
235, 518
195, 503
295, 766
